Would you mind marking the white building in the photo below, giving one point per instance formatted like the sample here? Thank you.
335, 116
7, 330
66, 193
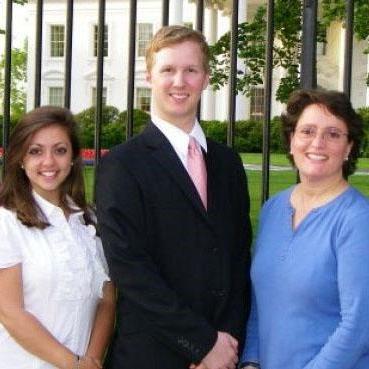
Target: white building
214, 104
20, 18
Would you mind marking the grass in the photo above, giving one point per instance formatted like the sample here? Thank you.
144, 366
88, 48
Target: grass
281, 180
281, 160
278, 181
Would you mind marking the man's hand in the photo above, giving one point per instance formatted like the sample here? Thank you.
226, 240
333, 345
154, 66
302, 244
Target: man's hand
223, 355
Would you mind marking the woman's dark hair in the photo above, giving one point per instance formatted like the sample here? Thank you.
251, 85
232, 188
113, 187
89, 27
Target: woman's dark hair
16, 190
338, 104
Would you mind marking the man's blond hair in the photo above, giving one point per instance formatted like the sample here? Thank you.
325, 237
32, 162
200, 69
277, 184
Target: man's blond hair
174, 35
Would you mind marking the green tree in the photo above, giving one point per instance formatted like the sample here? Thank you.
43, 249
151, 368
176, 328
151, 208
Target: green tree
114, 123
140, 119
20, 2
18, 79
286, 49
86, 123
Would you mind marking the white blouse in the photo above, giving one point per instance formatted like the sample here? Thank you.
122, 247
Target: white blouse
63, 272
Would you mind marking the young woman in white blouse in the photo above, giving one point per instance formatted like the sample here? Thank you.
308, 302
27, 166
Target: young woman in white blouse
57, 304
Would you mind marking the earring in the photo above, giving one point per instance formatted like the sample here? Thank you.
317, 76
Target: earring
22, 166
346, 158
71, 163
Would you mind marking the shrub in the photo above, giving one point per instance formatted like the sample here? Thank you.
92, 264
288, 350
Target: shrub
114, 123
14, 119
215, 130
140, 119
364, 113
86, 122
248, 134
276, 139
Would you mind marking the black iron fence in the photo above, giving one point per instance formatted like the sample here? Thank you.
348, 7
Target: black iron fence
308, 74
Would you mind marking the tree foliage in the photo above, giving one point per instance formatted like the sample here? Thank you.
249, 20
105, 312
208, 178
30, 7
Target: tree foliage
18, 79
20, 2
286, 48
114, 123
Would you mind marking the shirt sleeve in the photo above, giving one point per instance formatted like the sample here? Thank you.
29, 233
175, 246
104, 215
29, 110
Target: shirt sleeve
101, 255
350, 340
10, 252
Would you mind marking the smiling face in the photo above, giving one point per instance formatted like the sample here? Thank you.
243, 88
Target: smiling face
319, 157
177, 79
47, 162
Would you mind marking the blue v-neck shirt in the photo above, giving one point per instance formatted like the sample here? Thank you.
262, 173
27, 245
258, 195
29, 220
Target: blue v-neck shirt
311, 286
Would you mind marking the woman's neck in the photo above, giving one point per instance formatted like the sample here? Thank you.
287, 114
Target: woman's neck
319, 193
307, 196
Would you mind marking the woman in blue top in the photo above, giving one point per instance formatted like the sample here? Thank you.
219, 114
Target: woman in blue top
310, 270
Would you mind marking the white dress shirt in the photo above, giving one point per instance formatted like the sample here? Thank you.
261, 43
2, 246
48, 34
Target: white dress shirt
63, 272
179, 139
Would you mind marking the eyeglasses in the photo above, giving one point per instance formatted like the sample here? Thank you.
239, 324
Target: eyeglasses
330, 134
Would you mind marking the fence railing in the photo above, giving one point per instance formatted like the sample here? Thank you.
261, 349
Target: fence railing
308, 72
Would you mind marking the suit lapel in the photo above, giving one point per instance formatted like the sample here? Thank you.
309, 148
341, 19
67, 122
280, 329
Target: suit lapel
214, 183
166, 156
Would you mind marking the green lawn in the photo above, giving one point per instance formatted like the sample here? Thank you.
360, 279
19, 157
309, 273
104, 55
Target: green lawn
281, 160
279, 180
283, 179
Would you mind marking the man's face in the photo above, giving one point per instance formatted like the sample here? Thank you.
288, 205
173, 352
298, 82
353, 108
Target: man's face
177, 79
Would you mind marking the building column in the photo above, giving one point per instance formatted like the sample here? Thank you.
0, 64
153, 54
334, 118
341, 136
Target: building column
341, 57
211, 34
242, 103
176, 12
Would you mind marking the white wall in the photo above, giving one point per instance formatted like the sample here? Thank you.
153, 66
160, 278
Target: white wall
214, 105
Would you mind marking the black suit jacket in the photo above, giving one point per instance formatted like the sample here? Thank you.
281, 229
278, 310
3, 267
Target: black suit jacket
182, 272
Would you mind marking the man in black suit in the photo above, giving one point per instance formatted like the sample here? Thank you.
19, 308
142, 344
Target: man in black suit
179, 253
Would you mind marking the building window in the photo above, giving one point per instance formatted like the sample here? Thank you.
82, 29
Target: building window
257, 103
94, 94
143, 99
57, 41
106, 44
145, 33
56, 96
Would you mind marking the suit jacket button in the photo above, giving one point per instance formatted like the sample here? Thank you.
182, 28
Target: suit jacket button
218, 293
215, 249
221, 293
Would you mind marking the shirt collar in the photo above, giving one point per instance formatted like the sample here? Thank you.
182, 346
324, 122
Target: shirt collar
50, 210
178, 138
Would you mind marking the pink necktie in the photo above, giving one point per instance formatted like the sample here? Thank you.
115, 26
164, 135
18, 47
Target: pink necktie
197, 169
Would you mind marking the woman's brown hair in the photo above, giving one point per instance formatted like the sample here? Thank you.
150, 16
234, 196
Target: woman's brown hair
339, 105
16, 190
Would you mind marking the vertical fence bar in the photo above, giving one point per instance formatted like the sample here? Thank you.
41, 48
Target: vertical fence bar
131, 66
308, 52
349, 23
199, 27
7, 76
199, 15
68, 54
38, 56
165, 13
99, 84
233, 74
267, 101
